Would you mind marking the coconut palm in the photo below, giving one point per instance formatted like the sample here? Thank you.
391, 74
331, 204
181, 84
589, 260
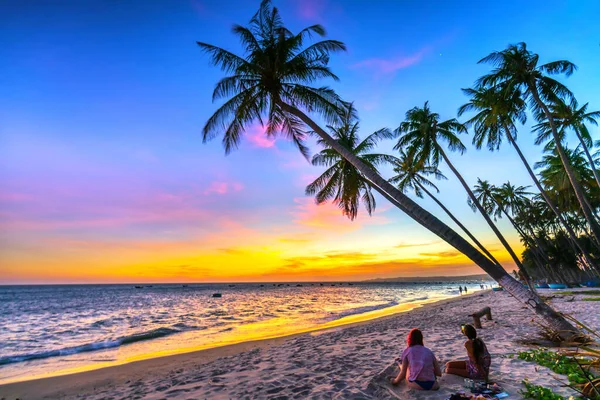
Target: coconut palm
273, 84
412, 175
341, 181
574, 117
421, 135
555, 179
497, 110
517, 69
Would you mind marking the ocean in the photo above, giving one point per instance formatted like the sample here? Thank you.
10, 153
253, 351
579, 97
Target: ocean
55, 329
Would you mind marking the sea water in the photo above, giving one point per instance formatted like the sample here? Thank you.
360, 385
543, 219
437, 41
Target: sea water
54, 329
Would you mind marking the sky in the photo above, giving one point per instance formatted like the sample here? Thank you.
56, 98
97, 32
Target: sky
104, 176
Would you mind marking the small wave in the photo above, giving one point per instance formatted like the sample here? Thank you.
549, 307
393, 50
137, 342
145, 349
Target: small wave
420, 298
152, 334
361, 310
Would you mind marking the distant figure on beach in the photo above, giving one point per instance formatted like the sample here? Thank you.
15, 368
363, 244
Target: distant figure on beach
479, 360
460, 289
418, 365
465, 289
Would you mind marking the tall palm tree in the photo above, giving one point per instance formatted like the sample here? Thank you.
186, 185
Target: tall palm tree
341, 181
574, 117
516, 68
555, 178
421, 134
412, 175
272, 83
497, 110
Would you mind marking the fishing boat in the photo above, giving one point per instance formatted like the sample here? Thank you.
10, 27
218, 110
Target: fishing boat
557, 286
542, 286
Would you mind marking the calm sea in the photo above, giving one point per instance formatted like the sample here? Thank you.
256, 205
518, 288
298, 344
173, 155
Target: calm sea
48, 330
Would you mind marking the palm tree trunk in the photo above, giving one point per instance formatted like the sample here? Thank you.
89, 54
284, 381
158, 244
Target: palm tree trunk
589, 157
460, 225
488, 220
567, 165
430, 222
570, 232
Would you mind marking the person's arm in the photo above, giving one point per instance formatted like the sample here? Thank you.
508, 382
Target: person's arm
470, 352
402, 375
436, 367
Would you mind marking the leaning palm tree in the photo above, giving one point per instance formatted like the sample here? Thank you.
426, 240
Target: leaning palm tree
574, 117
497, 110
421, 134
517, 69
341, 181
272, 84
412, 175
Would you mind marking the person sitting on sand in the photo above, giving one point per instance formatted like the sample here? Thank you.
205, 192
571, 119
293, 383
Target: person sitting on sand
418, 365
478, 364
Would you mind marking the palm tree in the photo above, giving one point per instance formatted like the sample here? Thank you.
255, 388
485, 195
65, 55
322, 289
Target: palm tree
272, 83
412, 175
341, 181
421, 134
496, 112
574, 117
517, 69
555, 178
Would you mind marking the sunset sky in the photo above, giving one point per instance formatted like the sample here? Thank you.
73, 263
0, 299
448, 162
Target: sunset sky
104, 177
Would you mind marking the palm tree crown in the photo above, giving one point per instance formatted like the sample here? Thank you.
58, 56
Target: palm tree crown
277, 67
342, 182
567, 116
517, 69
421, 134
411, 174
496, 112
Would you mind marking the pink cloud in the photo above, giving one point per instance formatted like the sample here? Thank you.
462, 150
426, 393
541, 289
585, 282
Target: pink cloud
389, 66
223, 188
257, 135
311, 9
14, 197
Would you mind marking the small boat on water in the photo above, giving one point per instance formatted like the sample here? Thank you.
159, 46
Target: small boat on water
542, 286
557, 286
139, 287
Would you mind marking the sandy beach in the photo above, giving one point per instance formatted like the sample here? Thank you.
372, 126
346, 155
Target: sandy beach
346, 362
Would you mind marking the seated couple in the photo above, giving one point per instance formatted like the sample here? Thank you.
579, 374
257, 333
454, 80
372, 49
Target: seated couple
419, 367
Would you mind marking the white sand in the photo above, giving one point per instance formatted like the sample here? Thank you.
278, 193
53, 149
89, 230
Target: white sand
350, 362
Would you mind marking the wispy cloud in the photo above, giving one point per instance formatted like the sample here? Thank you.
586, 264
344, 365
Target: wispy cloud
257, 136
223, 188
311, 9
389, 66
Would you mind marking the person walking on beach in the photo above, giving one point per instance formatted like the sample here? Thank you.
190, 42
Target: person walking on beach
418, 365
460, 289
465, 289
479, 360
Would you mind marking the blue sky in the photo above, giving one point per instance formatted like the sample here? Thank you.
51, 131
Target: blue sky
101, 159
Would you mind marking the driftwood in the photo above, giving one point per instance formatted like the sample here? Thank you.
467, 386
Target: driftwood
477, 316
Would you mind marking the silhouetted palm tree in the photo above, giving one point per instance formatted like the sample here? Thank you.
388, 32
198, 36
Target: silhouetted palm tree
574, 117
517, 69
341, 181
412, 175
496, 112
272, 83
421, 135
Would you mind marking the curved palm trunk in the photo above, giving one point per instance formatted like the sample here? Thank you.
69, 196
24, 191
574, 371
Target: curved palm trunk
570, 232
567, 165
488, 220
589, 157
430, 222
460, 225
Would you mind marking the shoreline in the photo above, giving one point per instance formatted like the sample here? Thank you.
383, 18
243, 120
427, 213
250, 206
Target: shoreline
208, 353
349, 361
